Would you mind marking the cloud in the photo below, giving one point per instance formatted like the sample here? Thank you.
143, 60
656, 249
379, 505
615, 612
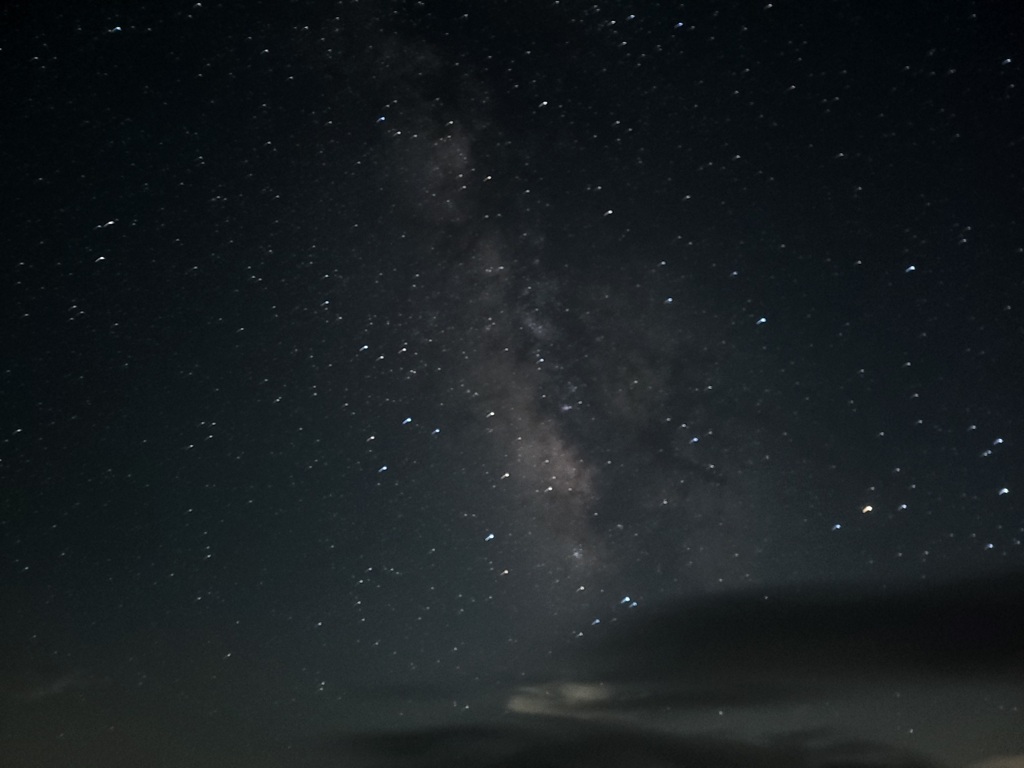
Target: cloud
557, 742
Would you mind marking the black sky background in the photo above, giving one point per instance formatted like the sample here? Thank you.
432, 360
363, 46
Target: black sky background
350, 345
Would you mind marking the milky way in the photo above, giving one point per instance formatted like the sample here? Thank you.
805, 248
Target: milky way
591, 385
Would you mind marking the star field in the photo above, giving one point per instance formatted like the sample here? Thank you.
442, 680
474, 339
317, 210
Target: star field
357, 352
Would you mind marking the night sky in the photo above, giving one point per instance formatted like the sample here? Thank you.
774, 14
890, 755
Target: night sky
358, 350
